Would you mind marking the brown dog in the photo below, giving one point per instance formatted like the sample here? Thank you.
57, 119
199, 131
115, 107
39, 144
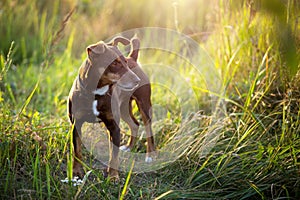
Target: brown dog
104, 89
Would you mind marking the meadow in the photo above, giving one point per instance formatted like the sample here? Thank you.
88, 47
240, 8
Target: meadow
253, 45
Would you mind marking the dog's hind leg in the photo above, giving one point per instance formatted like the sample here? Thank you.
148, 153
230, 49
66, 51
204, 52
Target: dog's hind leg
128, 117
145, 109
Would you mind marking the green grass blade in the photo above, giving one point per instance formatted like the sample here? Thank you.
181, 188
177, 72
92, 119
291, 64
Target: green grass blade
28, 99
124, 190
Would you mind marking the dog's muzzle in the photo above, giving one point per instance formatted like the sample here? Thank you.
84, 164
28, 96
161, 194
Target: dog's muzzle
129, 81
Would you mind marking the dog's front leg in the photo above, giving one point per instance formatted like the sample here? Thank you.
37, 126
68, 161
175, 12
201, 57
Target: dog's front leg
77, 167
114, 132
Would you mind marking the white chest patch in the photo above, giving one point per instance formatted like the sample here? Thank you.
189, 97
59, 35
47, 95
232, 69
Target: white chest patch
101, 91
95, 111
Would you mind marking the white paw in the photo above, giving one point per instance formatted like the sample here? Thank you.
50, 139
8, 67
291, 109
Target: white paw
76, 181
148, 159
124, 148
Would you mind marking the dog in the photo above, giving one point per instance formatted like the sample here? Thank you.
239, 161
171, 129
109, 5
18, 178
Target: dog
104, 89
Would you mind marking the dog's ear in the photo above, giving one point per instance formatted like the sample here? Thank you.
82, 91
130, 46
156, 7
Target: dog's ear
98, 48
135, 47
116, 40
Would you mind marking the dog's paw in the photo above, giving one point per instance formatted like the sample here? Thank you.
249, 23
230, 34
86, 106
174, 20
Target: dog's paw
148, 159
78, 171
125, 148
111, 175
114, 179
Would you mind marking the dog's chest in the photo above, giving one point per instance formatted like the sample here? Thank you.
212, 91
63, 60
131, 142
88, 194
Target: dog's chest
105, 104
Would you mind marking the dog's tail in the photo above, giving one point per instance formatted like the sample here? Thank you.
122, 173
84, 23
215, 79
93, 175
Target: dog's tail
69, 110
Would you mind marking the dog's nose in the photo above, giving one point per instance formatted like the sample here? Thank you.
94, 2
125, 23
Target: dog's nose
137, 79
129, 81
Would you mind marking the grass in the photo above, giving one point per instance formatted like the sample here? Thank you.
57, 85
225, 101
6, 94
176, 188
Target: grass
255, 145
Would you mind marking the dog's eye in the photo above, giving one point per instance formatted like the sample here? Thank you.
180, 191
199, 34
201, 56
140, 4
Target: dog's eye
115, 63
115, 66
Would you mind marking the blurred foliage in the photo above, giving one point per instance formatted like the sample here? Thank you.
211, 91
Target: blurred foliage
93, 21
285, 15
32, 24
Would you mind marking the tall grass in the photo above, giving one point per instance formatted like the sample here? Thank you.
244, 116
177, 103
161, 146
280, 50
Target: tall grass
257, 152
256, 155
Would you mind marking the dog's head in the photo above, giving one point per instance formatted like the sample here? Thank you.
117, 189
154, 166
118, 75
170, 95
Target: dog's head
109, 66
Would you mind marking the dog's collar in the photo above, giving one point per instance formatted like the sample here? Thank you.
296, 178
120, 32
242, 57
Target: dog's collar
101, 91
